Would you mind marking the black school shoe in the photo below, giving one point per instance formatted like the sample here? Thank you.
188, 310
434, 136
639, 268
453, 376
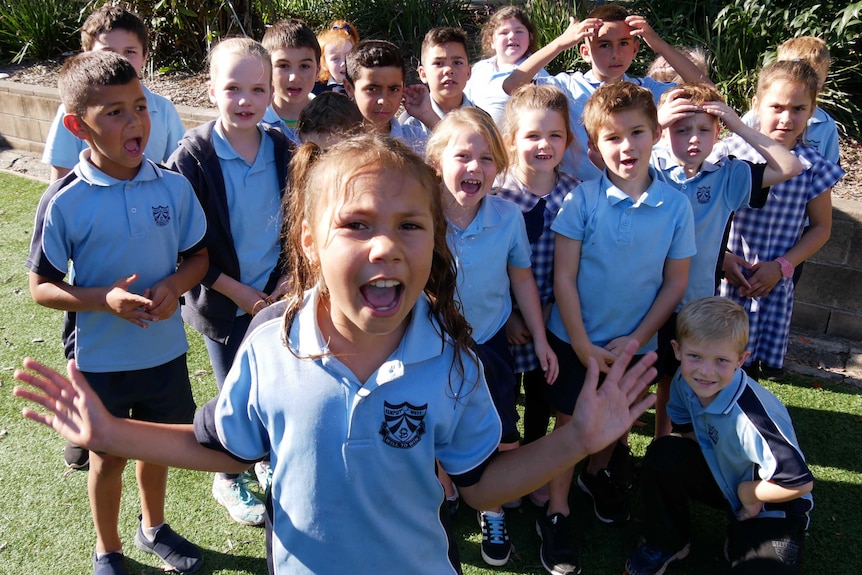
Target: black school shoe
110, 564
176, 551
608, 502
76, 457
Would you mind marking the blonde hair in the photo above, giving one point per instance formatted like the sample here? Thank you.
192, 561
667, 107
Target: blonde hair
711, 319
617, 97
812, 50
531, 97
238, 47
337, 37
472, 119
661, 71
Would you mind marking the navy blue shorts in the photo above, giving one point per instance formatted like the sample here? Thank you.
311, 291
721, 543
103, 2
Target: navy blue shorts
563, 394
161, 394
499, 368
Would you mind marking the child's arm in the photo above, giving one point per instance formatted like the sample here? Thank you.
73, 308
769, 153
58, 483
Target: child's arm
165, 294
687, 69
567, 257
115, 298
576, 31
527, 295
781, 165
601, 416
765, 275
417, 102
76, 413
753, 494
247, 298
674, 282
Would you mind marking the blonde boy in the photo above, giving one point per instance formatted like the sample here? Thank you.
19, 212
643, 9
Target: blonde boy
610, 38
621, 262
295, 55
733, 447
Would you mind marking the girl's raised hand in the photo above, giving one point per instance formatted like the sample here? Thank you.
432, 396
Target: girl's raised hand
74, 409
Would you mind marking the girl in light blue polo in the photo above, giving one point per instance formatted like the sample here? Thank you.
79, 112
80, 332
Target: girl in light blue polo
365, 381
488, 239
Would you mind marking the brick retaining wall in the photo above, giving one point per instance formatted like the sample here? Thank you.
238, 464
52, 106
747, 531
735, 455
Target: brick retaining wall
828, 297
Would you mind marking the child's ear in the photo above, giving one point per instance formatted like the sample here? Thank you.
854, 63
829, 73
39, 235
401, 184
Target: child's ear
348, 88
307, 241
676, 352
211, 91
422, 76
743, 357
584, 49
76, 126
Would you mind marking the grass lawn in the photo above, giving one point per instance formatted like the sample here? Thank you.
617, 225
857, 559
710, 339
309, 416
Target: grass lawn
45, 522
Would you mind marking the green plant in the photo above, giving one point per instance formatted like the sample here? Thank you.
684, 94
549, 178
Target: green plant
550, 20
38, 29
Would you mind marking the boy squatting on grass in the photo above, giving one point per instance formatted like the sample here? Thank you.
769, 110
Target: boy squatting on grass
733, 447
123, 222
372, 344
114, 29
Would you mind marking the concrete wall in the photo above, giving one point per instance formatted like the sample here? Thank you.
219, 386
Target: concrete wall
828, 297
26, 113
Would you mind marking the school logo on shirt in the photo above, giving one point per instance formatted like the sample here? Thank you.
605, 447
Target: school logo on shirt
161, 215
713, 434
403, 424
703, 194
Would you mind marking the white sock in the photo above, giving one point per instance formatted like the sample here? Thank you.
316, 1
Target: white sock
150, 532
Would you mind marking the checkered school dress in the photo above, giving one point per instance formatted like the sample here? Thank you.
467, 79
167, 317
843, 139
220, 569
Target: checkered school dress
767, 233
541, 243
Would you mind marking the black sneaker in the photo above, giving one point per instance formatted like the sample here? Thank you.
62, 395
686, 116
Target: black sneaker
770, 373
110, 564
608, 503
557, 551
622, 467
176, 551
76, 457
496, 546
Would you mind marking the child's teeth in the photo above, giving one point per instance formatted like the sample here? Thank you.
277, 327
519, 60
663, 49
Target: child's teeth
385, 283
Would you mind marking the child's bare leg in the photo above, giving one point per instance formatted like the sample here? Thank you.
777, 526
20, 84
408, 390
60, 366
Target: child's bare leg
152, 485
104, 487
662, 396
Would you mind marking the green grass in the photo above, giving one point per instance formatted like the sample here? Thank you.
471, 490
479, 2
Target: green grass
44, 515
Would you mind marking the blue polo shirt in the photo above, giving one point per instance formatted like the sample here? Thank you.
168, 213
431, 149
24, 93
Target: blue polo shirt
495, 239
579, 87
109, 229
745, 434
353, 483
271, 118
166, 130
624, 245
406, 119
254, 207
715, 193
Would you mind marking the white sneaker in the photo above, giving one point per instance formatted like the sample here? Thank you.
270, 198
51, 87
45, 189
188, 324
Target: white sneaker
241, 504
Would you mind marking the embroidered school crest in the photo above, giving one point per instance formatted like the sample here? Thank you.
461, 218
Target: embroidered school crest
161, 215
703, 194
403, 424
713, 434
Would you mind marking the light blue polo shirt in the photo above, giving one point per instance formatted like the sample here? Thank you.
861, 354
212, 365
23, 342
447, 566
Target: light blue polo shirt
624, 245
353, 481
495, 239
579, 87
254, 207
485, 86
745, 433
271, 118
412, 135
166, 130
406, 119
715, 193
110, 229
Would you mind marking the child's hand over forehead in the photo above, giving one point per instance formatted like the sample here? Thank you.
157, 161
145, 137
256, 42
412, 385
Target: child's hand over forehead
578, 31
675, 108
723, 112
640, 27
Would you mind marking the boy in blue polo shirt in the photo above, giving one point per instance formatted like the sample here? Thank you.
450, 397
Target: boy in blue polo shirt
610, 43
117, 30
689, 115
621, 260
733, 447
123, 223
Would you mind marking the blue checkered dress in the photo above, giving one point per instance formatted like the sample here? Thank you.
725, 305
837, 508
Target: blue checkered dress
767, 233
542, 258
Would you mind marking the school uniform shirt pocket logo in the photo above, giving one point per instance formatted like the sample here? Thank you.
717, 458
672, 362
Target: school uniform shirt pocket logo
703, 194
403, 424
161, 215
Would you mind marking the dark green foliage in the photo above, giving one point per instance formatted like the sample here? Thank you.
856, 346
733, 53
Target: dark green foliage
38, 29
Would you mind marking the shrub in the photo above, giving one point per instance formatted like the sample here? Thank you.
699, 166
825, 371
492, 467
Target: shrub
38, 29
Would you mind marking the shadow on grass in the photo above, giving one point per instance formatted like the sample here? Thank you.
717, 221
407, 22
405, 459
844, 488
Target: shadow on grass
214, 562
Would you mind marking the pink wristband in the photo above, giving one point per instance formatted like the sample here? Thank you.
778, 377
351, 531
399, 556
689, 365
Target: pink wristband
786, 267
